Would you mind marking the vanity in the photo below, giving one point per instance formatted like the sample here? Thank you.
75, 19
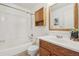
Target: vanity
53, 46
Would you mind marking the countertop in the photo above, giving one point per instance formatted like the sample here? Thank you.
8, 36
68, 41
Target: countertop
63, 42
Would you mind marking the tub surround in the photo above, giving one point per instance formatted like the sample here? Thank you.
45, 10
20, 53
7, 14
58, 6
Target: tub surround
12, 51
61, 41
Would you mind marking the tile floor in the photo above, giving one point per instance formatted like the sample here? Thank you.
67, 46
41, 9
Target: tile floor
24, 53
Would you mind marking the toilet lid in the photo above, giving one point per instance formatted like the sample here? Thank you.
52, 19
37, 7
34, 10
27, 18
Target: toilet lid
33, 48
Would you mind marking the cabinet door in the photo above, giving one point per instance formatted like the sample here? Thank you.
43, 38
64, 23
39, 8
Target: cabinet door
56, 50
47, 46
61, 51
39, 17
43, 52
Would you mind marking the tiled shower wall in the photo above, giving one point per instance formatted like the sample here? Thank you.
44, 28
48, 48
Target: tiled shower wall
14, 26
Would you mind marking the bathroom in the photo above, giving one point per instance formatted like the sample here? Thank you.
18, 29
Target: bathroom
39, 29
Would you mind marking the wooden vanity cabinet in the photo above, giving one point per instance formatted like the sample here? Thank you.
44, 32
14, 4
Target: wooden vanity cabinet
49, 49
39, 17
44, 52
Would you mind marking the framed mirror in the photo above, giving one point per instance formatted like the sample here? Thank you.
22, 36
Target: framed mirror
63, 16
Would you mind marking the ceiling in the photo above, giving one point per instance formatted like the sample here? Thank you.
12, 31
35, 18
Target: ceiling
28, 6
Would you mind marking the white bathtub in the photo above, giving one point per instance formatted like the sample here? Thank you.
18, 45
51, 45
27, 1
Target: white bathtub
13, 49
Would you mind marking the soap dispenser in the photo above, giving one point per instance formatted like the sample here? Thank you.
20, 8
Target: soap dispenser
76, 33
72, 34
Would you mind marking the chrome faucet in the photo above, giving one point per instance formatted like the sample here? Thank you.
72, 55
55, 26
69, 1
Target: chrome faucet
59, 36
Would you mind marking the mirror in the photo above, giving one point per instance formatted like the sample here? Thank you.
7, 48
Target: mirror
63, 16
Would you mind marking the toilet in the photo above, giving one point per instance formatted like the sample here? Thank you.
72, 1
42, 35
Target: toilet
32, 50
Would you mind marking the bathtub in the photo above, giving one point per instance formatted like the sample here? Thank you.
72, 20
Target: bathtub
13, 49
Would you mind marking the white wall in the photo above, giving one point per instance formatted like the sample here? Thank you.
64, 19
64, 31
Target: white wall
39, 30
18, 25
44, 30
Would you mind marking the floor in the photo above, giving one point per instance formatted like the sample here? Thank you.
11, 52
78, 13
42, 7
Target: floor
24, 53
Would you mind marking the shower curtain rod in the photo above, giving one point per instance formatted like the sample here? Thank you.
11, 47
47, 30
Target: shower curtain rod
16, 8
